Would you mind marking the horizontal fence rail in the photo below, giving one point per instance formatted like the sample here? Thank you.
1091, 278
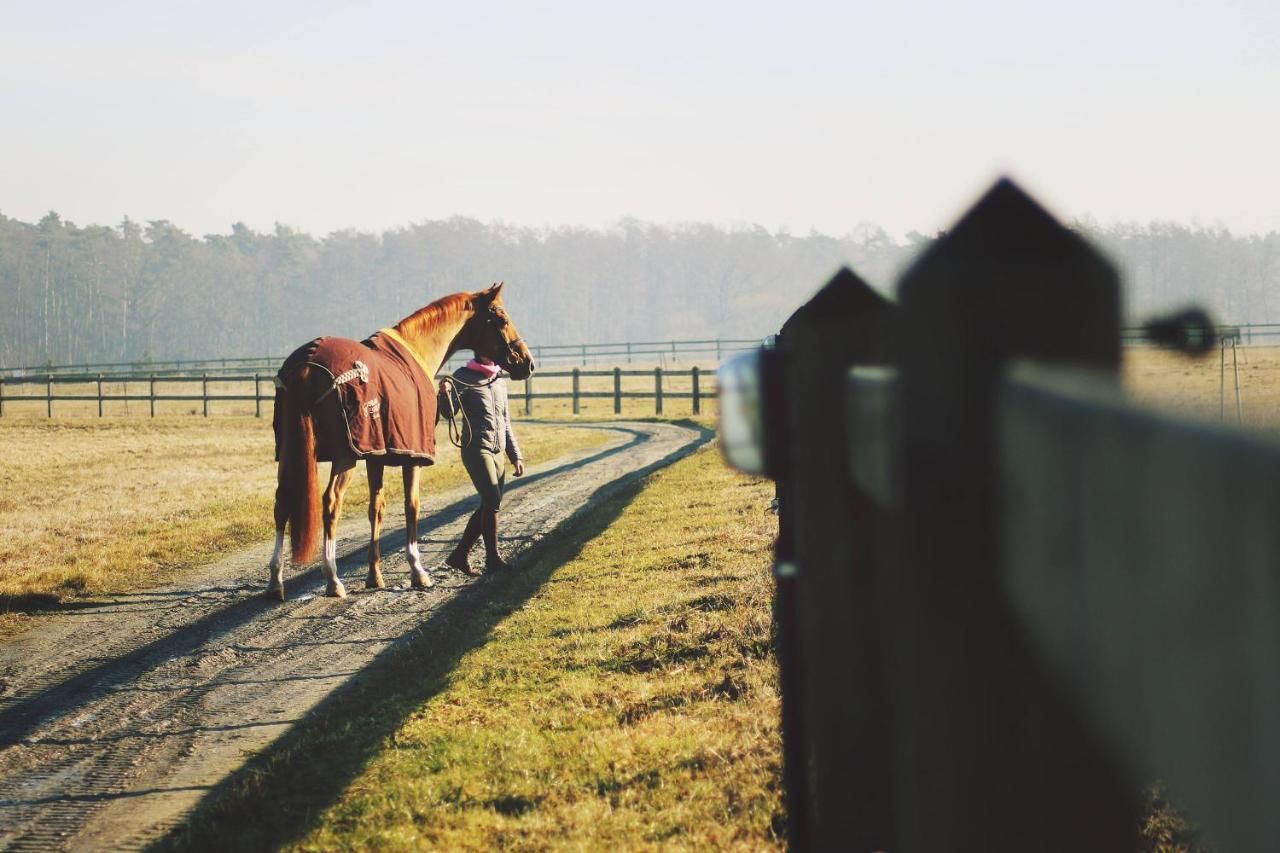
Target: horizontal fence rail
662, 352
659, 384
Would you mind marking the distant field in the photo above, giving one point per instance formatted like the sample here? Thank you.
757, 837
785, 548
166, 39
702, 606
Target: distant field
1200, 388
92, 506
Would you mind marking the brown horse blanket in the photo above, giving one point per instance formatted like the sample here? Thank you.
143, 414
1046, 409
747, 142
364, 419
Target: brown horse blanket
387, 396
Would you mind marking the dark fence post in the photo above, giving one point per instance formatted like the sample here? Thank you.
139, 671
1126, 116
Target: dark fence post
697, 399
153, 395
628, 352
257, 396
584, 355
49, 396
528, 395
1, 396
99, 395
657, 390
835, 727
204, 392
576, 407
617, 390
992, 751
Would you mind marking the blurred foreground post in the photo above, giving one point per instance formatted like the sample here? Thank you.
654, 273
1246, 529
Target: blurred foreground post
991, 748
834, 722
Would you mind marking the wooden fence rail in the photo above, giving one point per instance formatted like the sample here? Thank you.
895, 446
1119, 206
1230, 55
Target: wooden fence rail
1010, 599
90, 389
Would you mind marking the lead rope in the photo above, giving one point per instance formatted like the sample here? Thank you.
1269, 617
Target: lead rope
449, 384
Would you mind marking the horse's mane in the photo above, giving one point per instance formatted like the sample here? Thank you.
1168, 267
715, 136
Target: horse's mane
427, 318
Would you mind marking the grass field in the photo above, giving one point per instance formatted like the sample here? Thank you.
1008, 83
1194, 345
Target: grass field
609, 696
90, 506
1203, 389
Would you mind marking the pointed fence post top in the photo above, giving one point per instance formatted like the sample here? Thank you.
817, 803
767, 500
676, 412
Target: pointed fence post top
852, 311
1011, 273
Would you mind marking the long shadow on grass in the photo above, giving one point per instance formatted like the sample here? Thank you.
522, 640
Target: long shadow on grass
24, 715
278, 796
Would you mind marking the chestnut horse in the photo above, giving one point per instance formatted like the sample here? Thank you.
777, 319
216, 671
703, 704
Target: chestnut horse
312, 423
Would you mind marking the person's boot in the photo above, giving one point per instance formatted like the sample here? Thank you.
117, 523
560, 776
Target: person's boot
492, 559
458, 558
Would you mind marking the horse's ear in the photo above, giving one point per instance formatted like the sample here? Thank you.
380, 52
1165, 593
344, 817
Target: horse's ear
488, 295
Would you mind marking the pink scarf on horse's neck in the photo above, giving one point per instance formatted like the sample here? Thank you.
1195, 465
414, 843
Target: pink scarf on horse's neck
488, 368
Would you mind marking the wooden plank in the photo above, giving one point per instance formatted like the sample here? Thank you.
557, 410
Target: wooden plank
1142, 552
872, 426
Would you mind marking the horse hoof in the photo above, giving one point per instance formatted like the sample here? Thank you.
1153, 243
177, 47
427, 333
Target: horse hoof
421, 580
375, 582
275, 593
336, 590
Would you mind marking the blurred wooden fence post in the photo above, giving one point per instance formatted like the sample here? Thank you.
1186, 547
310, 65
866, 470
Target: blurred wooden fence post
257, 396
204, 392
153, 395
1, 396
49, 396
834, 709
657, 390
697, 399
576, 376
99, 395
617, 390
993, 752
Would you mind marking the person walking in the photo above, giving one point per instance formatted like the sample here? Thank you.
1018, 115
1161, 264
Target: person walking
478, 392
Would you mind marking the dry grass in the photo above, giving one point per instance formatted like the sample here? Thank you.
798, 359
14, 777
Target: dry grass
610, 696
1203, 389
91, 506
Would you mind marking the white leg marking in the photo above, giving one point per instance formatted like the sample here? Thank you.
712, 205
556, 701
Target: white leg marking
277, 569
419, 577
331, 567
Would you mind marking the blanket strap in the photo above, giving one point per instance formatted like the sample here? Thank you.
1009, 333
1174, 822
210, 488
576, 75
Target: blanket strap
359, 371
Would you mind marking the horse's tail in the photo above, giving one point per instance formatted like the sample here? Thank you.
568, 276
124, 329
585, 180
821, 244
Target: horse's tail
297, 489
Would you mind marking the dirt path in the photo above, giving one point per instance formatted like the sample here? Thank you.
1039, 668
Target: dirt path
116, 718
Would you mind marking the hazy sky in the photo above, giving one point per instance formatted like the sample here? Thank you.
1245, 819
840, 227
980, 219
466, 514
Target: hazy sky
326, 115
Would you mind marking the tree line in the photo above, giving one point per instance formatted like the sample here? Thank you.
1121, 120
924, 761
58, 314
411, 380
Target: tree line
72, 295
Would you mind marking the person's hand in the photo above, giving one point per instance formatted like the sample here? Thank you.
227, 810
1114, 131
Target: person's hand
519, 468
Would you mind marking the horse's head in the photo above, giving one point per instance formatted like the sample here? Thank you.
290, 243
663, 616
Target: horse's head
494, 336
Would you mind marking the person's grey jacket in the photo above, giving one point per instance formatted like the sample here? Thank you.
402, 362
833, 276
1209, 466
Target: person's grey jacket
486, 421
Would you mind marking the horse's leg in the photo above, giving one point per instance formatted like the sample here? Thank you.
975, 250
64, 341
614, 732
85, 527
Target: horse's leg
339, 477
275, 586
419, 578
375, 469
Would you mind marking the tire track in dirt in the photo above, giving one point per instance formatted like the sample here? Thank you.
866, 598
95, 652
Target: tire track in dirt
117, 717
